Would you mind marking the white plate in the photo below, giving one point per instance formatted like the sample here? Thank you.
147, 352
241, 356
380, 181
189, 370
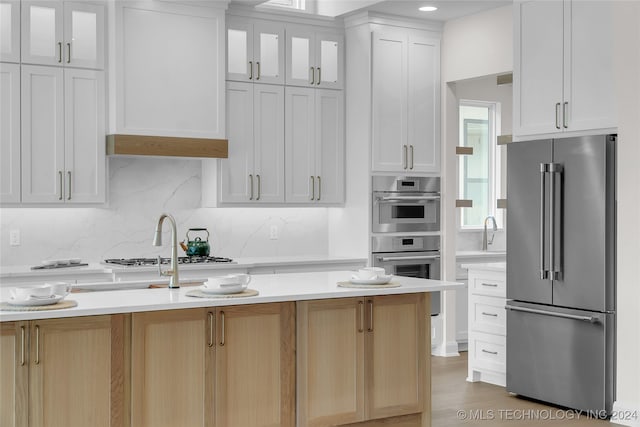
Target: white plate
381, 280
35, 302
223, 290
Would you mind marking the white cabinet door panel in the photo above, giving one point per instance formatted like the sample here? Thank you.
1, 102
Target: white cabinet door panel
329, 146
10, 30
84, 136
42, 134
42, 32
239, 50
84, 35
589, 91
9, 133
329, 60
300, 57
268, 52
235, 170
389, 106
538, 74
300, 144
269, 142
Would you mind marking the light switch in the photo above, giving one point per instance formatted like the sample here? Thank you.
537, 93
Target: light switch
14, 238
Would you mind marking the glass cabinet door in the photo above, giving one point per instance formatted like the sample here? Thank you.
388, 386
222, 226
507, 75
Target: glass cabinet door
42, 32
83, 35
329, 60
10, 31
268, 53
301, 70
240, 64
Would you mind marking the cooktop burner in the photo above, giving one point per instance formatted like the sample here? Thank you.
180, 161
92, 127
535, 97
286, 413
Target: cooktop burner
136, 262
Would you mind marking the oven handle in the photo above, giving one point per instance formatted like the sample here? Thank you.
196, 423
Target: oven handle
407, 258
406, 198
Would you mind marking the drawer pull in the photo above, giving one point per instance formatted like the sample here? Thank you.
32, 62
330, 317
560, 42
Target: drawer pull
491, 285
489, 314
489, 352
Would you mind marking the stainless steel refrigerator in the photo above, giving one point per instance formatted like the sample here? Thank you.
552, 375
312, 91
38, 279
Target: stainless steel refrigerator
561, 260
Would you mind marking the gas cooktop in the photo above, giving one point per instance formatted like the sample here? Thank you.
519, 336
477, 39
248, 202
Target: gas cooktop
141, 262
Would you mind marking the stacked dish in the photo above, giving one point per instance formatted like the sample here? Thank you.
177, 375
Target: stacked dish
229, 284
371, 276
39, 295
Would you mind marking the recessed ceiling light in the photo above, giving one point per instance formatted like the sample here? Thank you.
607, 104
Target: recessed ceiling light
428, 8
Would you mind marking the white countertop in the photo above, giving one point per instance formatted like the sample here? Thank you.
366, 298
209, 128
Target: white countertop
240, 263
487, 266
478, 255
272, 288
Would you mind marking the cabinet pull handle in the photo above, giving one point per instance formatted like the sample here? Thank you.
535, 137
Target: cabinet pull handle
22, 345
319, 76
360, 316
69, 176
61, 185
489, 352
558, 115
222, 337
259, 187
319, 188
258, 65
313, 187
370, 328
251, 184
411, 157
491, 285
37, 360
565, 115
313, 75
68, 53
60, 52
211, 326
489, 314
406, 161
250, 70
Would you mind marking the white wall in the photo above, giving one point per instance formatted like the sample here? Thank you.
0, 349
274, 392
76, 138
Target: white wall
627, 65
141, 189
478, 45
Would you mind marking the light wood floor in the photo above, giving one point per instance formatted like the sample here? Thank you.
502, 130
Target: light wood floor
455, 402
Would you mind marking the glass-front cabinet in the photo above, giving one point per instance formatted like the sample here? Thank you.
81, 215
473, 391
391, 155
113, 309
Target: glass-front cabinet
70, 34
255, 51
314, 58
10, 31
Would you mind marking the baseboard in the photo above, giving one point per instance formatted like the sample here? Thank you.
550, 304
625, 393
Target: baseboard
463, 345
449, 349
626, 414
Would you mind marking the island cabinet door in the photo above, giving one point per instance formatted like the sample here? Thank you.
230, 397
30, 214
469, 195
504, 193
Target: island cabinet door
255, 366
330, 361
14, 365
396, 355
76, 376
172, 368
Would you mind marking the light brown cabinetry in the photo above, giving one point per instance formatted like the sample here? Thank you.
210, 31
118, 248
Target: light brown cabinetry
65, 372
231, 366
363, 358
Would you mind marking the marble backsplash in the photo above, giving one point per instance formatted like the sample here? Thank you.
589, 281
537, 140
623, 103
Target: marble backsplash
141, 189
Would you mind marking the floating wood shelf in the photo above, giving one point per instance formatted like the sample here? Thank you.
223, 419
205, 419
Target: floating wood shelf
505, 139
501, 203
464, 203
460, 151
504, 79
139, 145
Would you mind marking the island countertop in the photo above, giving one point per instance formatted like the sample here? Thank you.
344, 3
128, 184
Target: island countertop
271, 288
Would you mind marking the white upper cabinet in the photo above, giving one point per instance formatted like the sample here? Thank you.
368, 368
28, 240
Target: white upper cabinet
563, 67
169, 70
314, 145
406, 99
315, 58
70, 34
10, 30
255, 51
9, 133
63, 135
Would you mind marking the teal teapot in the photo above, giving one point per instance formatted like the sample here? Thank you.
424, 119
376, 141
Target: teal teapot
196, 247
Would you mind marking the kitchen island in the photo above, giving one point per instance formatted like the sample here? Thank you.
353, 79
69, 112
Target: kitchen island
302, 352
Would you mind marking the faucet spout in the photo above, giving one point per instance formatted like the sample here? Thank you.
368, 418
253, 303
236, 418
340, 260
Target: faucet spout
486, 242
157, 241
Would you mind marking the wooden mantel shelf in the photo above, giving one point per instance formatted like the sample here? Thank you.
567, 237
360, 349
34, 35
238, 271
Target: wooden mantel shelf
139, 145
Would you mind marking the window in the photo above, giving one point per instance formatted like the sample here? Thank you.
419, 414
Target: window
289, 4
479, 173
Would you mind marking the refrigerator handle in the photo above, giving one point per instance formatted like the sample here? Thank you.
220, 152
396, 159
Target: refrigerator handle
591, 319
554, 169
543, 171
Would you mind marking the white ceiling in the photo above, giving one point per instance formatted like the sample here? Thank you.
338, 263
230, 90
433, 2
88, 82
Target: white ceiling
447, 9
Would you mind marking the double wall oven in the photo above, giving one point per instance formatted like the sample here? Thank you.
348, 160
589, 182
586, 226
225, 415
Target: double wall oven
404, 210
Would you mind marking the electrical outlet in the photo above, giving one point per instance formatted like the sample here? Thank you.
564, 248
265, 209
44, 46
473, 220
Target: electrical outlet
14, 238
273, 232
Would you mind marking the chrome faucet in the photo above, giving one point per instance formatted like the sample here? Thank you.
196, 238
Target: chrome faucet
157, 241
485, 242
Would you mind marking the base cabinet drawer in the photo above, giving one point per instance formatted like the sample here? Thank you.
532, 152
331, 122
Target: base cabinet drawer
488, 351
487, 314
488, 284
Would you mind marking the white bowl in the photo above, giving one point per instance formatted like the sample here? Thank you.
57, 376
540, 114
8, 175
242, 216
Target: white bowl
25, 292
228, 280
368, 273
